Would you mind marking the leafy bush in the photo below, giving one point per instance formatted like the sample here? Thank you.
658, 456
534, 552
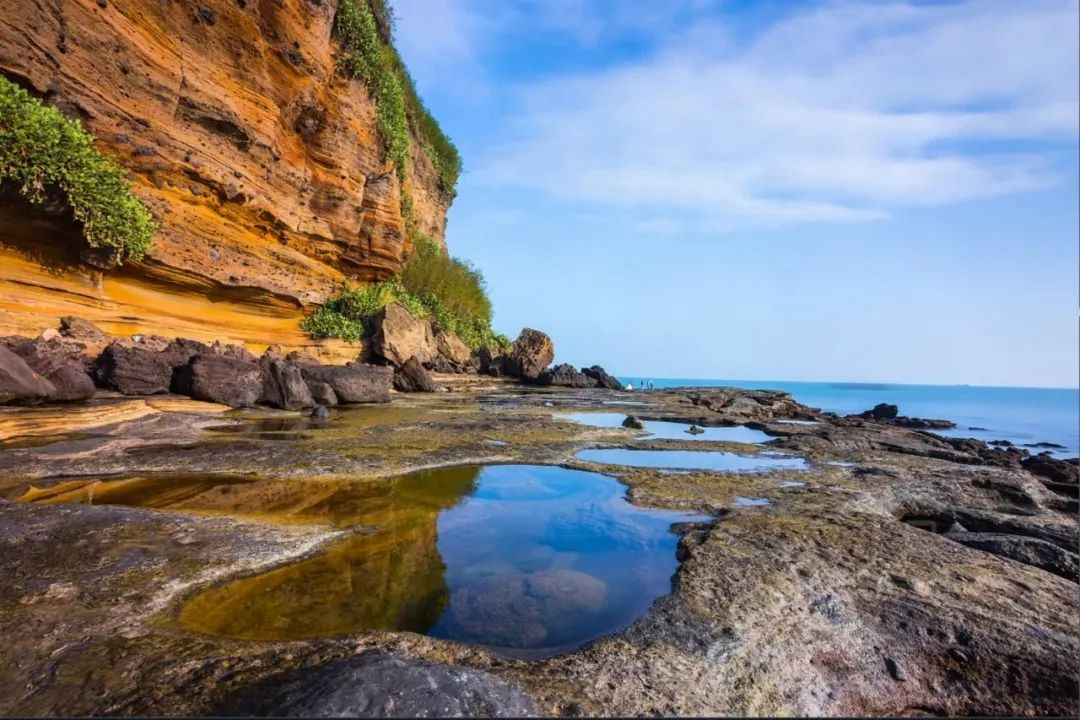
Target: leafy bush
40, 148
449, 291
368, 54
329, 322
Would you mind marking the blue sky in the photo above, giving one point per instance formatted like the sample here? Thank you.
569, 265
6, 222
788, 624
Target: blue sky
856, 191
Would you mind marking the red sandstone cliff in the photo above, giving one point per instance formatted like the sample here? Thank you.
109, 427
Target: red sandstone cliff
259, 160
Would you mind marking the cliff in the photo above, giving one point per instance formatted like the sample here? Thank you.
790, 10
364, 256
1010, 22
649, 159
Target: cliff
260, 161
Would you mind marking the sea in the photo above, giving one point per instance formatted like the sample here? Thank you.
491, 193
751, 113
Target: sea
1020, 415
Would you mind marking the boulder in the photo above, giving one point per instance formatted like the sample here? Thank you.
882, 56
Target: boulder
19, 383
412, 377
179, 352
132, 370
217, 378
452, 349
633, 423
530, 354
400, 336
490, 364
355, 382
321, 392
58, 361
566, 375
283, 385
602, 378
881, 411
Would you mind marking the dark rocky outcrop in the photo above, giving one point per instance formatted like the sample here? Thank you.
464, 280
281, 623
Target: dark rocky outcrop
321, 392
633, 423
383, 685
353, 383
18, 382
602, 378
133, 370
1054, 470
93, 338
59, 362
217, 378
1028, 550
283, 385
412, 377
884, 412
490, 364
881, 411
565, 375
530, 354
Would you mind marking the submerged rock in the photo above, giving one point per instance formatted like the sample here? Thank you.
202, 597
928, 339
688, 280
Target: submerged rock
695, 430
412, 377
382, 685
530, 354
320, 412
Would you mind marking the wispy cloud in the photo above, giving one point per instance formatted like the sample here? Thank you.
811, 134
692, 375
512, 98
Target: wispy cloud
839, 112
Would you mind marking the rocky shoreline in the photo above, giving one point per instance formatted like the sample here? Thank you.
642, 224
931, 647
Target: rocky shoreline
902, 573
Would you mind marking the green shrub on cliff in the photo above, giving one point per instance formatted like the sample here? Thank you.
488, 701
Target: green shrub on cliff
41, 149
450, 291
369, 55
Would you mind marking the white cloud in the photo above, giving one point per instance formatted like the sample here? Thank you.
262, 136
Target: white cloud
844, 112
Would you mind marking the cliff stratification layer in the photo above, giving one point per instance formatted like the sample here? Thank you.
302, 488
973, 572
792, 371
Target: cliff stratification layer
260, 161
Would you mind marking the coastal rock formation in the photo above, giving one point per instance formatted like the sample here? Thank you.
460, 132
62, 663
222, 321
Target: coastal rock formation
259, 159
133, 370
401, 336
353, 383
884, 412
565, 375
451, 349
58, 362
530, 354
283, 386
220, 379
412, 377
602, 378
18, 382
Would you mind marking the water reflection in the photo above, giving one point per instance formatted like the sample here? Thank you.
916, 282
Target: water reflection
528, 560
665, 430
693, 460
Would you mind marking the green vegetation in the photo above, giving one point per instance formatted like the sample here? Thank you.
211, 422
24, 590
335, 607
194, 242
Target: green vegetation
41, 149
449, 291
369, 55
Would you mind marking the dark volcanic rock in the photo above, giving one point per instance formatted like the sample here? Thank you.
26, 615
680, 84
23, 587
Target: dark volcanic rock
412, 377
602, 378
59, 362
922, 423
1054, 470
530, 354
1028, 550
283, 385
382, 685
133, 370
1050, 445
881, 411
489, 364
18, 382
633, 423
217, 378
566, 375
321, 392
179, 352
355, 382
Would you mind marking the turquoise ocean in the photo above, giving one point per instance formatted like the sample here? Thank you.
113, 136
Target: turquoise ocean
1020, 415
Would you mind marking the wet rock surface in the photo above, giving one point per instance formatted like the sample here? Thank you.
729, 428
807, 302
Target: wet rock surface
383, 685
824, 602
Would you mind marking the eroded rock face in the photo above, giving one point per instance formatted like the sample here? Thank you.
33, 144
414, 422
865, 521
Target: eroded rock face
259, 160
400, 336
353, 383
531, 353
384, 685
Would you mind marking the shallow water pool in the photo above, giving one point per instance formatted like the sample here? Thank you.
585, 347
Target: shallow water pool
692, 460
665, 430
530, 561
